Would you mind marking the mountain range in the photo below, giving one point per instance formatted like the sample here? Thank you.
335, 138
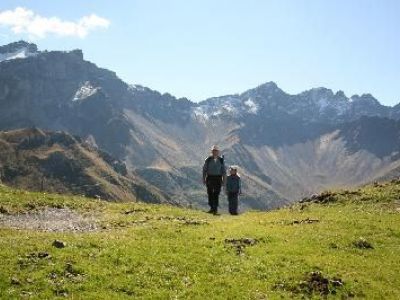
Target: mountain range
287, 146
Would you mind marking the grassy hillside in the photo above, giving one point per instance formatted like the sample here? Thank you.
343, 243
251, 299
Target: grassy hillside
339, 245
55, 161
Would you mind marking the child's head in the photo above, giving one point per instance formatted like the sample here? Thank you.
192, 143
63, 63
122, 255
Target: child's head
233, 170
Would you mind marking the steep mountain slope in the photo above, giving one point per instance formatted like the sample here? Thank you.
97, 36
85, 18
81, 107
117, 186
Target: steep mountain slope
58, 162
300, 160
287, 146
340, 245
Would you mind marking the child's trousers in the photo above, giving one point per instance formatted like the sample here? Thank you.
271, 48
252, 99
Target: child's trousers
233, 199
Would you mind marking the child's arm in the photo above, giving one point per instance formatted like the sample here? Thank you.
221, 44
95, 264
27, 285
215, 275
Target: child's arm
227, 183
240, 186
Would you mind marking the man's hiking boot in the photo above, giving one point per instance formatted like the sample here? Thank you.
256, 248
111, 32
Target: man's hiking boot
214, 212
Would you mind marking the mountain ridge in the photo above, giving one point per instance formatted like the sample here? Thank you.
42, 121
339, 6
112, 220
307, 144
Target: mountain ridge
266, 86
274, 136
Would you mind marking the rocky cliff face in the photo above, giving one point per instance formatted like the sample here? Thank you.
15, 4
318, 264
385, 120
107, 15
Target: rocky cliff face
287, 146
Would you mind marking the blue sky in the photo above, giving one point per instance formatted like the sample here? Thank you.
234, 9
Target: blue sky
199, 49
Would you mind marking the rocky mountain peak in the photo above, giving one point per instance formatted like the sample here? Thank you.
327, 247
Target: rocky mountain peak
17, 46
318, 93
20, 49
340, 94
365, 99
23, 49
78, 53
266, 89
270, 85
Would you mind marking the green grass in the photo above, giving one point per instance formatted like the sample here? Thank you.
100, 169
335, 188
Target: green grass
165, 252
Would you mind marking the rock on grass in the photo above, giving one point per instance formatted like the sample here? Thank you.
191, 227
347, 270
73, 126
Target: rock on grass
59, 244
313, 283
362, 243
241, 243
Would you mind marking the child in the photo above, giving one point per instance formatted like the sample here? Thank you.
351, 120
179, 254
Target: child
233, 190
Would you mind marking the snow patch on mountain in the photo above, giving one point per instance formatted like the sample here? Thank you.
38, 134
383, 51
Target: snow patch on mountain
322, 104
133, 88
200, 113
233, 106
18, 54
228, 108
85, 91
339, 106
343, 107
252, 106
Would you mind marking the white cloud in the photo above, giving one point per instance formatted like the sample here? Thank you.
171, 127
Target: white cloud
25, 21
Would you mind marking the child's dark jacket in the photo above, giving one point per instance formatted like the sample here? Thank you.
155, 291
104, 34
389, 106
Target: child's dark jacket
233, 184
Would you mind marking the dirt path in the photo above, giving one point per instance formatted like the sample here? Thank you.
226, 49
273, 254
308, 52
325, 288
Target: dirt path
49, 219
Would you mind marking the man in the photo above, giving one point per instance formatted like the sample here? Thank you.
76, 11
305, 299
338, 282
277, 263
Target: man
214, 177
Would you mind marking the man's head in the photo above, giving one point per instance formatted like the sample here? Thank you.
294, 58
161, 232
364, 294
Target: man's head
215, 151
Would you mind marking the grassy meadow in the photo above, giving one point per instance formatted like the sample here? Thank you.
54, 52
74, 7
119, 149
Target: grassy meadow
347, 247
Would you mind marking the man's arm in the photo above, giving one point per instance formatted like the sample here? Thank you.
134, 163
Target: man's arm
205, 172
